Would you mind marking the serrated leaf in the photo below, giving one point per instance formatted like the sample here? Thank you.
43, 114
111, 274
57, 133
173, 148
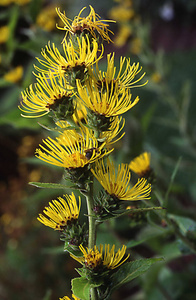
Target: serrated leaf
131, 270
49, 185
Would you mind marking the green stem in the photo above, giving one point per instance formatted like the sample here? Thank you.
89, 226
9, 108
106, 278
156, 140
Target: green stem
91, 219
94, 295
92, 228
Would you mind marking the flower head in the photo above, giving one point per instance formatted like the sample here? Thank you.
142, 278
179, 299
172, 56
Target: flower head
117, 184
63, 152
123, 34
14, 75
126, 77
95, 258
136, 46
80, 114
47, 18
67, 298
84, 25
4, 34
141, 164
111, 136
107, 102
48, 94
73, 60
6, 2
124, 12
79, 117
61, 212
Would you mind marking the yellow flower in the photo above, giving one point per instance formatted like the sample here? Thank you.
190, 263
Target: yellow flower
156, 77
46, 18
136, 46
21, 2
93, 258
110, 136
67, 298
74, 136
76, 155
73, 60
83, 25
122, 35
50, 91
79, 115
120, 13
4, 34
126, 77
15, 75
6, 2
141, 164
109, 102
117, 183
61, 212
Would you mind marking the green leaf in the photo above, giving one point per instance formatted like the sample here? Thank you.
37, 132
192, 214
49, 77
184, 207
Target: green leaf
12, 116
49, 185
48, 127
13, 19
48, 295
67, 248
147, 117
171, 181
170, 251
147, 234
184, 223
138, 210
35, 8
127, 211
9, 100
131, 270
81, 288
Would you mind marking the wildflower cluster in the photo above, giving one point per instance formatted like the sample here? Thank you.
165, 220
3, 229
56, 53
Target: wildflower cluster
86, 105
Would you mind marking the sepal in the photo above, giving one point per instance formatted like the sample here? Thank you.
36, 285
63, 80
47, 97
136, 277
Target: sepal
80, 177
73, 236
95, 277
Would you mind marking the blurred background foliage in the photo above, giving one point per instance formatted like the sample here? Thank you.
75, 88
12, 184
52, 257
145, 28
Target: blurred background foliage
161, 35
